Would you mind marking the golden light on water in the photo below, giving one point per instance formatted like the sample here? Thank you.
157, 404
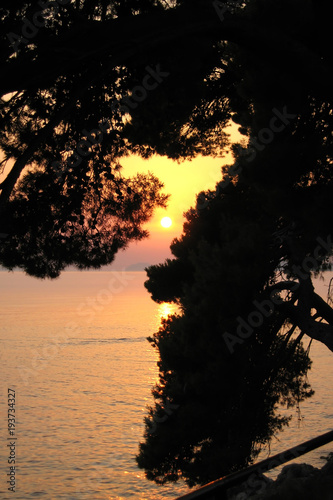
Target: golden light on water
166, 222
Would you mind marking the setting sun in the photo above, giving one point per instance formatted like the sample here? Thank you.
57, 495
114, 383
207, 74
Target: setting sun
166, 222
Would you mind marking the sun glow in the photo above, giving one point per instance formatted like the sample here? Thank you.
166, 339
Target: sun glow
165, 309
166, 222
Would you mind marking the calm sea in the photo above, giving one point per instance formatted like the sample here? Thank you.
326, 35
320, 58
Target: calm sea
75, 352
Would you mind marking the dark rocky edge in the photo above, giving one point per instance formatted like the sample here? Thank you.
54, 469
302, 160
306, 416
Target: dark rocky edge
295, 482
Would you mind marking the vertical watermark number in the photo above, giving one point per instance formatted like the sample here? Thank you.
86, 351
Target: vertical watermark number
12, 440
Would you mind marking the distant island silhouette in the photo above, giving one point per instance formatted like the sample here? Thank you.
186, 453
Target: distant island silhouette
139, 266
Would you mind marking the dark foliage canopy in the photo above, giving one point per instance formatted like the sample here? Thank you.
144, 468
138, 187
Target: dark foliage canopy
243, 267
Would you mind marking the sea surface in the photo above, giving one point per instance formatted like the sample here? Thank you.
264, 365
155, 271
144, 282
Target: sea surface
75, 352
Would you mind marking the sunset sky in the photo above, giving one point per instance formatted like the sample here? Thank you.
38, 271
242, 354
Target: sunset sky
183, 181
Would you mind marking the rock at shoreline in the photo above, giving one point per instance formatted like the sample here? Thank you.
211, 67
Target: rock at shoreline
295, 482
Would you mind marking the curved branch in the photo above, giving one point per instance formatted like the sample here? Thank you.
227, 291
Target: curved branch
317, 331
284, 285
301, 314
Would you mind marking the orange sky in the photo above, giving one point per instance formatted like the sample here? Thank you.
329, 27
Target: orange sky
183, 182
